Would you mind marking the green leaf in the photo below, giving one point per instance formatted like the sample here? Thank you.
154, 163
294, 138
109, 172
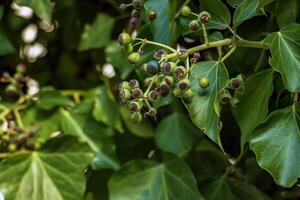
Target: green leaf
285, 50
254, 104
80, 122
276, 144
142, 129
98, 34
263, 3
6, 46
220, 15
146, 179
286, 12
106, 109
230, 188
234, 3
42, 8
1, 12
51, 98
44, 175
246, 10
204, 106
117, 57
182, 132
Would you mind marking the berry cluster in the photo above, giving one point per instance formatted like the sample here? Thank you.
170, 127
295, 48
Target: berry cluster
13, 138
202, 18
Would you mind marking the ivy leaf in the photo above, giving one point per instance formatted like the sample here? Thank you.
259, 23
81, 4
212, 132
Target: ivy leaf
45, 175
220, 15
286, 12
276, 144
6, 46
106, 109
263, 3
81, 123
230, 188
246, 10
182, 132
234, 3
98, 34
254, 103
147, 179
203, 107
42, 8
51, 98
285, 50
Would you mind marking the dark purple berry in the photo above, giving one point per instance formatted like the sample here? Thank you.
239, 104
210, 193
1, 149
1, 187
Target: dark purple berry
153, 95
137, 93
133, 83
152, 15
152, 67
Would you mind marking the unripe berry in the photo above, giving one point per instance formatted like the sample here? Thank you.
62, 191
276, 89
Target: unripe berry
180, 72
159, 54
204, 82
234, 102
225, 97
21, 68
124, 39
136, 13
124, 85
152, 67
177, 92
133, 83
241, 78
188, 94
184, 84
234, 84
137, 93
169, 80
137, 4
134, 57
12, 147
128, 48
11, 88
182, 54
204, 17
186, 11
153, 96
125, 94
136, 117
164, 89
196, 58
194, 25
135, 106
168, 68
152, 112
152, 15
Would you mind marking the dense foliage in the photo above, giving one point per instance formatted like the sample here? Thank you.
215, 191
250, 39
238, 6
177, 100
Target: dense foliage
152, 100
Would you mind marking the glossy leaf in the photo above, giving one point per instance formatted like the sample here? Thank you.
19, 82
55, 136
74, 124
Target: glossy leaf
234, 3
80, 122
246, 10
263, 3
44, 175
146, 179
106, 109
6, 46
182, 132
285, 50
220, 15
254, 104
42, 8
204, 106
286, 12
98, 34
276, 144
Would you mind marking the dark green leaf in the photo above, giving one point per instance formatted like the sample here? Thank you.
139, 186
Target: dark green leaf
234, 3
98, 34
285, 50
146, 179
204, 107
246, 10
276, 144
286, 12
254, 103
6, 47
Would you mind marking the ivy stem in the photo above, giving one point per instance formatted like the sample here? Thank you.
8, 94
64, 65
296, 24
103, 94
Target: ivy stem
206, 42
179, 11
253, 44
220, 53
296, 95
156, 44
18, 118
231, 51
151, 84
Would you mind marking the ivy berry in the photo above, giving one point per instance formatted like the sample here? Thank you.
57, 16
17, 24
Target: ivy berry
124, 39
204, 17
152, 67
194, 25
186, 11
204, 82
134, 57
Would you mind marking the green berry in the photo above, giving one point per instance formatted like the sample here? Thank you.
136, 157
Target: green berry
182, 54
177, 92
21, 68
135, 106
137, 93
152, 15
188, 94
136, 117
169, 80
124, 39
12, 147
204, 17
234, 84
225, 97
241, 78
11, 88
194, 25
137, 4
125, 94
152, 67
234, 102
168, 68
184, 84
180, 72
124, 85
186, 11
153, 96
164, 89
134, 57
158, 55
128, 48
204, 82
133, 83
